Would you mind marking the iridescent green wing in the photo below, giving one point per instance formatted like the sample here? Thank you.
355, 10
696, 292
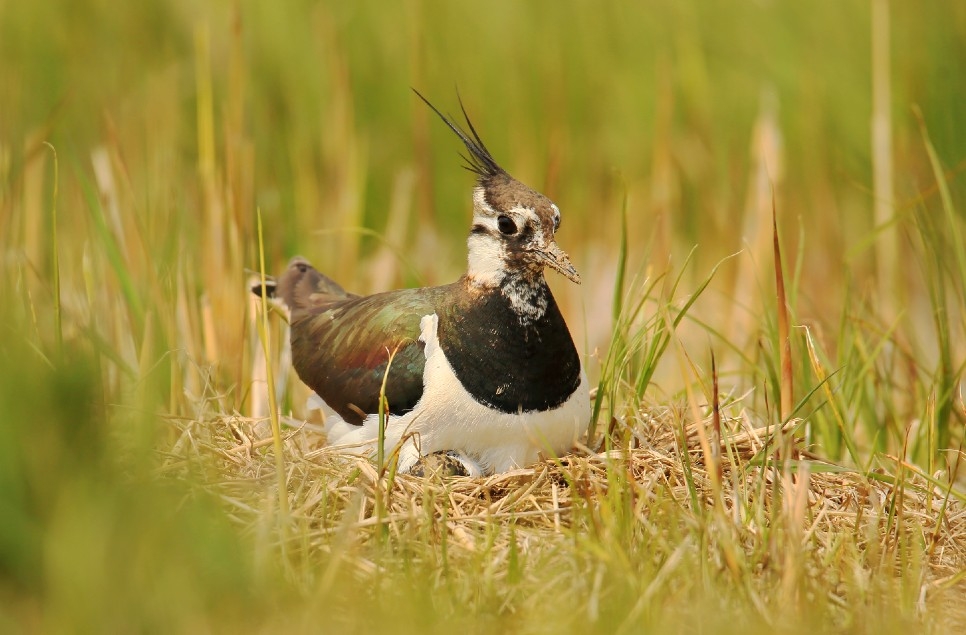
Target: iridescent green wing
342, 349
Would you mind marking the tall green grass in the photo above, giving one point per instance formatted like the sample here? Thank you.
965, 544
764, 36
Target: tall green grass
137, 141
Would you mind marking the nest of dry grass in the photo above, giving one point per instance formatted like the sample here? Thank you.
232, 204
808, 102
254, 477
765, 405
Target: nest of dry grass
786, 536
811, 502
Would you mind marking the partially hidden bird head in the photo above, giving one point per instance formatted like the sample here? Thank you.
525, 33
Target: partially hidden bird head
513, 225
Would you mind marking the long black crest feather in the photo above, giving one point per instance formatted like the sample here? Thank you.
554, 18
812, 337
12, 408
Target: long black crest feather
479, 160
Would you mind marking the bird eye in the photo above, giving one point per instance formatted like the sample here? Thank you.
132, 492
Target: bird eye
506, 225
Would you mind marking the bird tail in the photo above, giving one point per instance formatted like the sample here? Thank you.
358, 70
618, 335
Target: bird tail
302, 287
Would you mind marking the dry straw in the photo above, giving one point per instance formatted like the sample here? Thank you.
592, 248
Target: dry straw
799, 511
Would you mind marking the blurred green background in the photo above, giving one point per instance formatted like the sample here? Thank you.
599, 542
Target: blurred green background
566, 94
681, 105
170, 122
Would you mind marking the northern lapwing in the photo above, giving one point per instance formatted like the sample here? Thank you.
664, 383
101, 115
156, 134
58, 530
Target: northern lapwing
482, 371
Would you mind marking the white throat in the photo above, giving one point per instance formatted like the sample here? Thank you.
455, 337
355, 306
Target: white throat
486, 262
486, 265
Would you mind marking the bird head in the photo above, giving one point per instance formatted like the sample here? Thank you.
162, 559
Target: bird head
513, 225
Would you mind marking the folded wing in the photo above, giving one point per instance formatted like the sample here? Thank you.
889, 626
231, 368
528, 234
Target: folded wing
342, 344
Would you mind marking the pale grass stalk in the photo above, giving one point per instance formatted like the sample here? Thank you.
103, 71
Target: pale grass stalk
273, 414
716, 438
380, 484
206, 136
187, 331
209, 332
146, 361
55, 254
32, 210
794, 506
887, 246
384, 265
107, 187
766, 152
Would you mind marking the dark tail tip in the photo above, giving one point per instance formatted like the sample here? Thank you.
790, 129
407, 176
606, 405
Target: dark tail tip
270, 287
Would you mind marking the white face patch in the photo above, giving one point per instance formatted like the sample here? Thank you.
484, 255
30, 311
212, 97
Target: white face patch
556, 217
487, 260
